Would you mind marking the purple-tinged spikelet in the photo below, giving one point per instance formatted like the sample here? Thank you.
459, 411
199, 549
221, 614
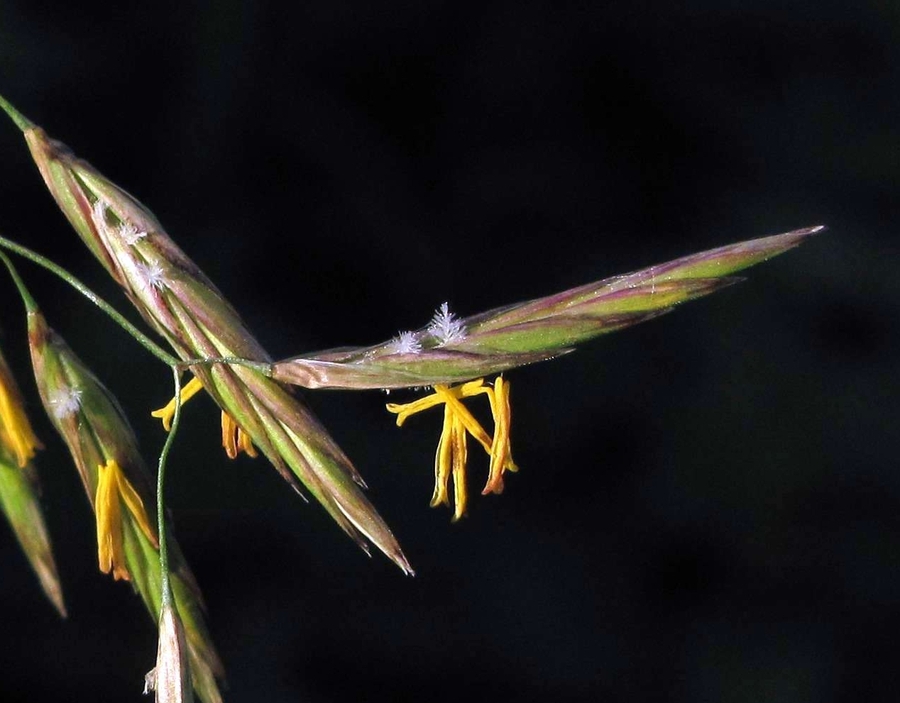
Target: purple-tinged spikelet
19, 494
120, 491
455, 350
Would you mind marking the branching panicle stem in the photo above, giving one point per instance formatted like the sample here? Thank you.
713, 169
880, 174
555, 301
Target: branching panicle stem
117, 317
168, 359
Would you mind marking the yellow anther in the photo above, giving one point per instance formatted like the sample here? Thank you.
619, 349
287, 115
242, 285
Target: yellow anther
460, 491
405, 410
113, 489
501, 452
458, 410
451, 455
168, 412
245, 444
234, 439
15, 431
442, 464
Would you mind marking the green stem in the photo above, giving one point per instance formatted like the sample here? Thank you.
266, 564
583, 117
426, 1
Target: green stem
165, 586
30, 304
21, 121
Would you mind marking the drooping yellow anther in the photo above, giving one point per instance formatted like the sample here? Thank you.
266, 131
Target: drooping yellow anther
113, 489
234, 439
451, 455
168, 412
15, 430
501, 452
454, 406
450, 460
460, 490
442, 464
245, 444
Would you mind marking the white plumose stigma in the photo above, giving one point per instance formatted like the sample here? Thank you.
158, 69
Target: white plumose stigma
65, 402
151, 275
446, 327
405, 343
127, 231
150, 681
98, 213
131, 234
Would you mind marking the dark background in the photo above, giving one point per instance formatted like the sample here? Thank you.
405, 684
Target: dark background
709, 504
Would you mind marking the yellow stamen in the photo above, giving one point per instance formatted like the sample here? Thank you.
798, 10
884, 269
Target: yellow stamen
406, 409
450, 460
451, 455
501, 452
15, 431
245, 444
459, 468
442, 461
168, 412
234, 439
458, 410
113, 489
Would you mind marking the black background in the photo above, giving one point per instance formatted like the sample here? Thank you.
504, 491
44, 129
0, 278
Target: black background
709, 504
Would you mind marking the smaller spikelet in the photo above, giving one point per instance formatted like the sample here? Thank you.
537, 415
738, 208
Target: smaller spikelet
16, 435
19, 494
119, 488
170, 679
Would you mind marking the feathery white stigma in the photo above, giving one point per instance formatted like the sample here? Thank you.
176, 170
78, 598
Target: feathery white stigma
150, 679
65, 402
404, 343
151, 275
131, 234
446, 327
98, 213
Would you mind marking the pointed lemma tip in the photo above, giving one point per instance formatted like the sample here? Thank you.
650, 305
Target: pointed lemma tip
401, 561
60, 607
801, 235
53, 591
49, 581
22, 122
791, 239
807, 231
